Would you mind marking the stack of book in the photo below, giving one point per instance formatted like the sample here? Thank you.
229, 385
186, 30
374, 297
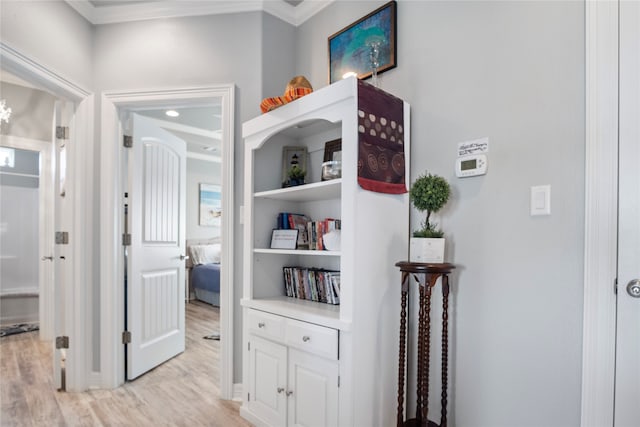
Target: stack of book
312, 284
309, 232
317, 229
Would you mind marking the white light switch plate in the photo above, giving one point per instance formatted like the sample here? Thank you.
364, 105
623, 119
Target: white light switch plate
540, 200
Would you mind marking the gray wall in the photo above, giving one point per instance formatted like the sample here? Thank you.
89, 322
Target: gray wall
52, 32
513, 72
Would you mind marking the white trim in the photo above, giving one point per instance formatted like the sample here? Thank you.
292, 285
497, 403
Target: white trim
37, 74
122, 12
601, 192
238, 388
80, 101
112, 265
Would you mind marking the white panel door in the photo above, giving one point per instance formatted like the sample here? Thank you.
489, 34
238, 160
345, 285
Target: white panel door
313, 390
627, 394
155, 278
268, 381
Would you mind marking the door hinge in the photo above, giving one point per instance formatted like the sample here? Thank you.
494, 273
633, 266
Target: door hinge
127, 141
62, 237
615, 286
126, 337
126, 239
338, 380
248, 397
248, 346
62, 342
62, 132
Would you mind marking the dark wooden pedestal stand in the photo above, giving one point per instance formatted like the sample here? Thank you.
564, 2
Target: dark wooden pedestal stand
426, 276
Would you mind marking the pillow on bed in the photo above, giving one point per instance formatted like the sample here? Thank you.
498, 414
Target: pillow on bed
205, 254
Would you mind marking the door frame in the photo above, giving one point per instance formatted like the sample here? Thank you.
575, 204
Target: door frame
601, 215
112, 220
79, 214
46, 227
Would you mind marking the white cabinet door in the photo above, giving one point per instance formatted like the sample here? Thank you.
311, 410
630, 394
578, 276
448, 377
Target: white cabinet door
312, 390
268, 381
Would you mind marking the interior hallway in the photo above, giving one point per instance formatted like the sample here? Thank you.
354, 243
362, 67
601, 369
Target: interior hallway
181, 392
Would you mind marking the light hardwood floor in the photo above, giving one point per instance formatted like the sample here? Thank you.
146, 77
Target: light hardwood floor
181, 392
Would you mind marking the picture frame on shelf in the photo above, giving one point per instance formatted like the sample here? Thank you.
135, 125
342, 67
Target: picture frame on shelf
210, 197
332, 150
351, 49
284, 239
292, 157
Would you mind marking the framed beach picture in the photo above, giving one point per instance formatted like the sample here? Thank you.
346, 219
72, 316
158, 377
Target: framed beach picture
371, 39
210, 205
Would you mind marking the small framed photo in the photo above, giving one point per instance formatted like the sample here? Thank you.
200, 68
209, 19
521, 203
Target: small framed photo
284, 239
354, 49
333, 151
294, 165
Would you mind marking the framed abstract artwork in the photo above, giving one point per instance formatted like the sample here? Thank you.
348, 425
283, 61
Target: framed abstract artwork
368, 43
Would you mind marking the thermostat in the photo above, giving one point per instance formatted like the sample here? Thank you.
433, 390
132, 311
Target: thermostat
473, 165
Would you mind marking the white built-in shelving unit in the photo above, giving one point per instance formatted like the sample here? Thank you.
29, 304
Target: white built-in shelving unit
305, 362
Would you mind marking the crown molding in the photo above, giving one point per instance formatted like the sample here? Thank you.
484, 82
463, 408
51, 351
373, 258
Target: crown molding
123, 12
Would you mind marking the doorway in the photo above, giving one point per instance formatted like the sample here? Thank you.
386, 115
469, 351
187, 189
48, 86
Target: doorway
26, 251
114, 106
73, 213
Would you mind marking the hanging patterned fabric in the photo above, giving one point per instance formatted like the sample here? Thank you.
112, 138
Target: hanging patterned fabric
381, 160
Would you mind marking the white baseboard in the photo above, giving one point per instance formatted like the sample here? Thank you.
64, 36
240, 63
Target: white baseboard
237, 392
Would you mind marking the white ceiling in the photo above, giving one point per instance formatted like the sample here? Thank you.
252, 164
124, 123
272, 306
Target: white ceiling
199, 127
294, 12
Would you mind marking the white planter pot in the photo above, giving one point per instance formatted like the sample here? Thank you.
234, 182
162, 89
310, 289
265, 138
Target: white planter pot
424, 249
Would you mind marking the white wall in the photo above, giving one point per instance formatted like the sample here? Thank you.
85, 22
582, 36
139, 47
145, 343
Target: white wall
513, 72
199, 171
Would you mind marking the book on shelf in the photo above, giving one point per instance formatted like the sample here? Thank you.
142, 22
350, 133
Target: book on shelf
310, 232
313, 284
317, 229
294, 221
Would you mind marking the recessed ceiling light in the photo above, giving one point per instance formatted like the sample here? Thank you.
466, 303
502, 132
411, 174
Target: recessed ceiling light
172, 113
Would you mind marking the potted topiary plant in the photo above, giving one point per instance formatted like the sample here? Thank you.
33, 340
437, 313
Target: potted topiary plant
429, 193
295, 175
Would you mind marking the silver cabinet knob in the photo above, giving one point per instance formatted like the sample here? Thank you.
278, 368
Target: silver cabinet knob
633, 288
280, 390
289, 393
45, 258
183, 257
261, 325
305, 338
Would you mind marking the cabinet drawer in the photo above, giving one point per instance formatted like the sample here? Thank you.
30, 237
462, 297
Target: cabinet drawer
266, 325
315, 339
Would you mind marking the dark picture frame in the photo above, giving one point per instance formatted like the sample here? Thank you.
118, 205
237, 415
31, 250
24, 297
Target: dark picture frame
332, 150
349, 48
